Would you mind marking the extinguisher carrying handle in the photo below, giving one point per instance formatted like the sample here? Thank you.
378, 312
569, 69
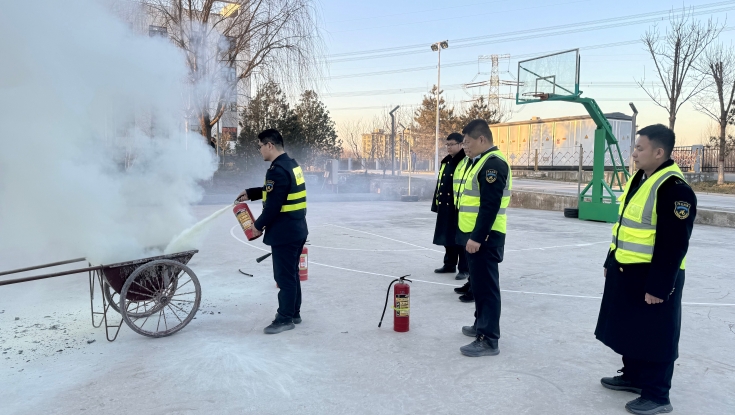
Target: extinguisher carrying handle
387, 295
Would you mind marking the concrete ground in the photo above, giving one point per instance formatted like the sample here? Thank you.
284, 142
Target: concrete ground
338, 361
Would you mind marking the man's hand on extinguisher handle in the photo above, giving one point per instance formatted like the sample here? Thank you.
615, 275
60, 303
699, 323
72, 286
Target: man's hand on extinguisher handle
242, 196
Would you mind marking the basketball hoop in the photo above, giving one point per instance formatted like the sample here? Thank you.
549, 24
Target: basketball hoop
542, 96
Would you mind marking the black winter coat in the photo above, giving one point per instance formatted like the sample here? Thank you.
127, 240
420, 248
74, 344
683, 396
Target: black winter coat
443, 203
280, 228
626, 323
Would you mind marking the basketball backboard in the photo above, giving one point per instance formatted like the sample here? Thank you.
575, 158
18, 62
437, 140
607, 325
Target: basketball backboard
552, 76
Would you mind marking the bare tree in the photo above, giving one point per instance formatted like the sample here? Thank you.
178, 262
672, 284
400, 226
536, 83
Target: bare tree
227, 43
718, 65
675, 55
351, 134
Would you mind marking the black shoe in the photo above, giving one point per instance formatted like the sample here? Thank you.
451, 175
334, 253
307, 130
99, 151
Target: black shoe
469, 331
467, 297
462, 275
481, 347
642, 406
297, 319
620, 383
279, 324
445, 270
463, 289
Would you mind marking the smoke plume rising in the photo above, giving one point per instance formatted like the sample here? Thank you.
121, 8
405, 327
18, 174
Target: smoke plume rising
94, 160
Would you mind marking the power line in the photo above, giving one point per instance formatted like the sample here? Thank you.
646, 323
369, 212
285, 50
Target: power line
508, 36
474, 62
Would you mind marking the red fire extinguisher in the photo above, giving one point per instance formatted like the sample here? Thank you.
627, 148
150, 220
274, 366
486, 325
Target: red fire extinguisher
401, 304
304, 265
245, 217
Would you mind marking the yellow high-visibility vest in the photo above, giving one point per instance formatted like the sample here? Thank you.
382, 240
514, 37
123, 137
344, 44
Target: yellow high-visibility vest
459, 174
634, 235
469, 196
296, 199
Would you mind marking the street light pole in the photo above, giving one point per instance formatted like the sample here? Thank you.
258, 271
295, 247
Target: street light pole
393, 141
438, 88
437, 47
632, 139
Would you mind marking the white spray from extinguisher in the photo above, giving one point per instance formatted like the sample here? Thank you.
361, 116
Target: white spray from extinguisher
188, 239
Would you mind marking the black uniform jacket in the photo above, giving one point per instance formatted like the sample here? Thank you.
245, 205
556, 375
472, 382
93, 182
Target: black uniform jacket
627, 324
446, 218
492, 178
280, 228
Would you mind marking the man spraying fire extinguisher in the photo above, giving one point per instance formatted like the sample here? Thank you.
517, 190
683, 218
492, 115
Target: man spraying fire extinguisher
284, 221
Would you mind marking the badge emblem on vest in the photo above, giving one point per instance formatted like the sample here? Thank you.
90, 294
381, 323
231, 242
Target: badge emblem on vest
681, 209
269, 185
491, 175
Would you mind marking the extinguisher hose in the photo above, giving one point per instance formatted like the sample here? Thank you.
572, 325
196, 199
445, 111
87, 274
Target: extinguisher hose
385, 307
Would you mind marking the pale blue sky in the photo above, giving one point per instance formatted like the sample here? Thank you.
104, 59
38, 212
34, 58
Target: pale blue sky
351, 26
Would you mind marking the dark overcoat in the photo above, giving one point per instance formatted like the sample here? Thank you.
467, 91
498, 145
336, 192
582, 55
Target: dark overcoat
626, 323
443, 202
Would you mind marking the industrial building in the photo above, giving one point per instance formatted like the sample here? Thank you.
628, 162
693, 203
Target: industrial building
557, 140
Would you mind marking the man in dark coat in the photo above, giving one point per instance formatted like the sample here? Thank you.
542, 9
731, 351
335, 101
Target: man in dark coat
284, 222
444, 206
640, 314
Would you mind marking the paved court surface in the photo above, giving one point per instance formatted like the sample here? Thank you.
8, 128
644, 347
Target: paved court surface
337, 361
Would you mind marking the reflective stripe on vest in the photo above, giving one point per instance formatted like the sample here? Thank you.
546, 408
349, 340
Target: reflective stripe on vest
296, 199
459, 175
469, 196
634, 235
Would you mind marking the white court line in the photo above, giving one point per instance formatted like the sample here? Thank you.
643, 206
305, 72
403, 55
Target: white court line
508, 250
367, 250
454, 285
385, 237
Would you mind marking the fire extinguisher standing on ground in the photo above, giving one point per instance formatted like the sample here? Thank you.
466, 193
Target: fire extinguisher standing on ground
304, 264
401, 304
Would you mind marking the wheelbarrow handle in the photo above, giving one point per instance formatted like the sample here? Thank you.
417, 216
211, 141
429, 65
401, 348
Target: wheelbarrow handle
55, 274
53, 264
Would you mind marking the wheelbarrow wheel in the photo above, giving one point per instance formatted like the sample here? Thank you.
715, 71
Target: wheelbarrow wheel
165, 298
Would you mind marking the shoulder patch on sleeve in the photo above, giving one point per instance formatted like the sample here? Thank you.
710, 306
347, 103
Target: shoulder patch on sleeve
269, 185
491, 175
681, 209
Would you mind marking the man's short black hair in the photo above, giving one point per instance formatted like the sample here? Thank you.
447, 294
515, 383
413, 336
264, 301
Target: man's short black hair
476, 128
271, 135
660, 136
455, 137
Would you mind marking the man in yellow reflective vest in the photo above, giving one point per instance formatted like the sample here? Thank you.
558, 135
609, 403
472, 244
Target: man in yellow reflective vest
443, 204
284, 221
640, 314
483, 197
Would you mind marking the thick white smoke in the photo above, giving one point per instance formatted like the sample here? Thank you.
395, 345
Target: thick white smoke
94, 160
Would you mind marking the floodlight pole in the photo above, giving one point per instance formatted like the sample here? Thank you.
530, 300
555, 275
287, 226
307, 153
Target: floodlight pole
438, 46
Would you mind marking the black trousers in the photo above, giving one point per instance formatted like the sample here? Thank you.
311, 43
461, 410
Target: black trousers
456, 256
286, 273
653, 377
486, 289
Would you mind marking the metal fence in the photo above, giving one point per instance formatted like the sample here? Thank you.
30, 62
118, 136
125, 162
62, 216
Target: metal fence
703, 159
711, 157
